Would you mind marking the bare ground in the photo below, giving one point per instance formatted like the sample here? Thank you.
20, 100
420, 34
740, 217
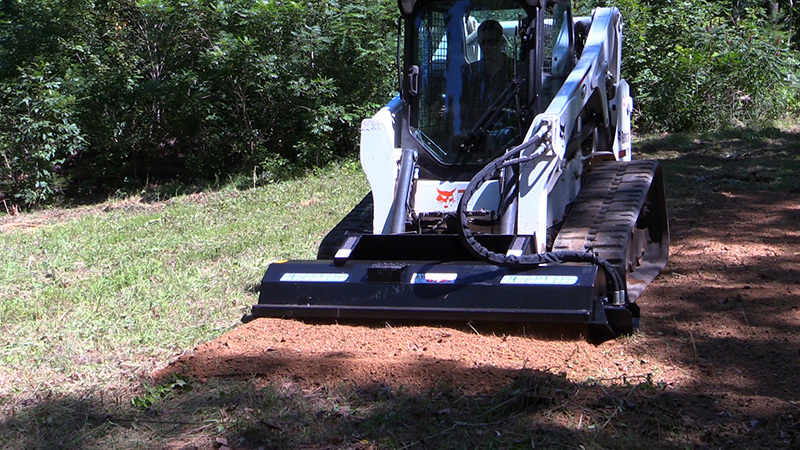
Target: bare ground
716, 363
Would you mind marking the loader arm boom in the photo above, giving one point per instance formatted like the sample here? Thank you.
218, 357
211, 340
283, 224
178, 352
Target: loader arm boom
597, 69
584, 97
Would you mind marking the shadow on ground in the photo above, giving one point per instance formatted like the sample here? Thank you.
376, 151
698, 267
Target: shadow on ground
537, 410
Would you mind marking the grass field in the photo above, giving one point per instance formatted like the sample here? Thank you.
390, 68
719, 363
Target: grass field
92, 299
95, 297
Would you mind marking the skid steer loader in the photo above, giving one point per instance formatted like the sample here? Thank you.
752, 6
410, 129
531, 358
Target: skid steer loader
503, 187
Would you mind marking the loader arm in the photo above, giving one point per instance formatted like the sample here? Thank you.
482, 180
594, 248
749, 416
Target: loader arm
582, 98
545, 157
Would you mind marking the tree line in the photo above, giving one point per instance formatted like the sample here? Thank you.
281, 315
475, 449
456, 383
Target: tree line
699, 65
98, 95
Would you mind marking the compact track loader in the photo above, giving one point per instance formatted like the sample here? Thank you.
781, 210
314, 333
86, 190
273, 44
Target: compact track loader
503, 187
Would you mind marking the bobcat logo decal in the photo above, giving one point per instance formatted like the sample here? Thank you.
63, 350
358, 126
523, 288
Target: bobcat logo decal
447, 198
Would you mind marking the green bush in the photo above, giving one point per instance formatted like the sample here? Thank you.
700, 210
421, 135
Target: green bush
173, 88
99, 95
700, 65
38, 134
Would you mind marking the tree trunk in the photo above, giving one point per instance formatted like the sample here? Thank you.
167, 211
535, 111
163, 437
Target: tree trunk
772, 10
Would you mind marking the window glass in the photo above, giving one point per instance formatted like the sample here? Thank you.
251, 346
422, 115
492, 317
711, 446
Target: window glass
467, 53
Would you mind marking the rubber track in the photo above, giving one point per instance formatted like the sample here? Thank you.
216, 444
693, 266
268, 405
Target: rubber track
359, 220
604, 214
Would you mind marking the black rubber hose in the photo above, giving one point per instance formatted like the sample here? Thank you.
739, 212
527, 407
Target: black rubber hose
482, 253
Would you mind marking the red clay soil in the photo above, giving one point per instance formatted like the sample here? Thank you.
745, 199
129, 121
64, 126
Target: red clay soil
720, 326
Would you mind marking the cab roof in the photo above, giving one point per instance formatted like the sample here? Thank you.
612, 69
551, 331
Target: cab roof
407, 7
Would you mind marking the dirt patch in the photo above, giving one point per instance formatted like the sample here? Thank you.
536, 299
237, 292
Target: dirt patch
13, 220
415, 357
719, 340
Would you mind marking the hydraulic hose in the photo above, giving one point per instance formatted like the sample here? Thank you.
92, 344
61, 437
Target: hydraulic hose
480, 252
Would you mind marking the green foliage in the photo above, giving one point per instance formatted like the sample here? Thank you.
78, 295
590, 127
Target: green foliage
101, 95
39, 132
154, 394
700, 65
161, 89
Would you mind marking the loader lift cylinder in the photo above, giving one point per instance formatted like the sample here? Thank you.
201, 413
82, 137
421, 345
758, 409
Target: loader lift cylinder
408, 161
508, 218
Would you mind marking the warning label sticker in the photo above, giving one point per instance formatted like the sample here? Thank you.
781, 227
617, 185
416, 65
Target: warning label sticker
434, 278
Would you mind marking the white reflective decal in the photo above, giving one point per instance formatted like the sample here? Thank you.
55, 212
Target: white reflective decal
315, 277
552, 280
434, 278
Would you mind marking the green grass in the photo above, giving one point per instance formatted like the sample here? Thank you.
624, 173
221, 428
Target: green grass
89, 301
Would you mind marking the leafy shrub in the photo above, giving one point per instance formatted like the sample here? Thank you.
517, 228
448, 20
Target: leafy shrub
37, 132
174, 88
700, 65
114, 93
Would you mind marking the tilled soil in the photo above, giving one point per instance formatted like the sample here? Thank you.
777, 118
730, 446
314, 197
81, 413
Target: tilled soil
719, 341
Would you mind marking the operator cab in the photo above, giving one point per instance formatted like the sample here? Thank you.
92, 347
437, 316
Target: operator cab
475, 77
